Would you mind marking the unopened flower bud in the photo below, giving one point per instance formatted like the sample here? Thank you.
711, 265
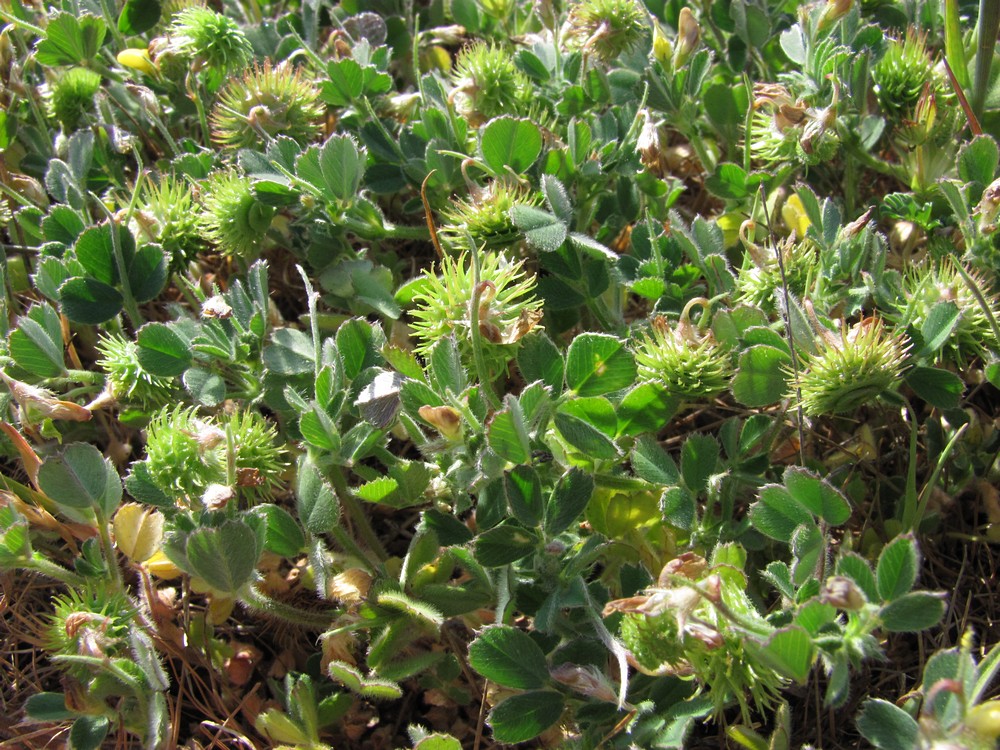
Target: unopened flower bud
688, 37
444, 419
217, 496
149, 101
38, 404
926, 110
833, 12
555, 548
216, 307
487, 293
28, 187
712, 587
650, 147
584, 680
687, 564
350, 586
209, 436
401, 106
843, 593
988, 208
663, 48
856, 227
450, 35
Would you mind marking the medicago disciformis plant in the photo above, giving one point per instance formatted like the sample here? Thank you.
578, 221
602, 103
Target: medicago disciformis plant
594, 373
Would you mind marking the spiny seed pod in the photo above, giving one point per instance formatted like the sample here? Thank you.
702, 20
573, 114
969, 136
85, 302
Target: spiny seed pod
210, 39
167, 214
186, 454
785, 130
508, 308
682, 360
126, 380
902, 73
851, 370
266, 101
233, 217
91, 623
485, 216
257, 457
605, 29
760, 276
930, 284
675, 628
71, 97
179, 458
488, 84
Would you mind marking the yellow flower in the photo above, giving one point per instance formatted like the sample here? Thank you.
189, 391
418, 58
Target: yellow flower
160, 566
138, 59
794, 215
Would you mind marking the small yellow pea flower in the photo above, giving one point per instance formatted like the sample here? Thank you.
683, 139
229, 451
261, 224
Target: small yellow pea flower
137, 59
794, 215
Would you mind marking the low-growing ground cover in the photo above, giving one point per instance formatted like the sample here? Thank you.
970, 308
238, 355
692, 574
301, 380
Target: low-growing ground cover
599, 373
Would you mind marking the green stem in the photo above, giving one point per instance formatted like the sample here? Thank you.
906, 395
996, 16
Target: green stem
910, 499
103, 663
311, 299
108, 548
128, 300
194, 94
925, 495
72, 377
614, 482
482, 371
41, 564
989, 22
747, 122
504, 597
403, 232
351, 547
11, 18
386, 231
112, 22
897, 172
252, 598
981, 300
357, 516
393, 141
751, 626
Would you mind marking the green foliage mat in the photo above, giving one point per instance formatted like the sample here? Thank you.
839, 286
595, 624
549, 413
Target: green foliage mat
475, 373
